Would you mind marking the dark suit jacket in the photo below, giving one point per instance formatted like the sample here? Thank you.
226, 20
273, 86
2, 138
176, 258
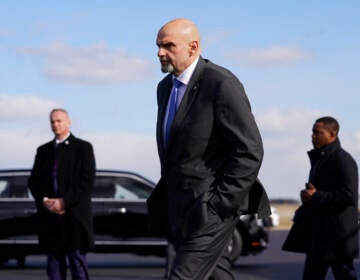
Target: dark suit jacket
213, 154
76, 175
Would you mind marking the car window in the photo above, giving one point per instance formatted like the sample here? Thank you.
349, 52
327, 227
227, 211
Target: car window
138, 188
120, 188
123, 193
15, 186
3, 188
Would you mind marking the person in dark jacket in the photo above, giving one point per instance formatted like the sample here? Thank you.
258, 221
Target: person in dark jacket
210, 152
331, 201
61, 182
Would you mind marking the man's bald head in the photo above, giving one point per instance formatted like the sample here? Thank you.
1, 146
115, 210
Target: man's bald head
182, 27
179, 45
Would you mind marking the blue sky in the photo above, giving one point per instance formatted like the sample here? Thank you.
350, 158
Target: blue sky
298, 61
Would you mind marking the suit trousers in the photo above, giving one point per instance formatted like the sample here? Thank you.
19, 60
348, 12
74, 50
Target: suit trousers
316, 269
203, 255
56, 265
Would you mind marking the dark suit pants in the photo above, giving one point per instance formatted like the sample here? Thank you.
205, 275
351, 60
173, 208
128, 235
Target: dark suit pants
316, 269
203, 255
56, 266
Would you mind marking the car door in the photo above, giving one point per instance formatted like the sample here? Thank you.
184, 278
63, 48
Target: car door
124, 212
17, 207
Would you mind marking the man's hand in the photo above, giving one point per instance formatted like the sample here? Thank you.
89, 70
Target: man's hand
54, 205
307, 193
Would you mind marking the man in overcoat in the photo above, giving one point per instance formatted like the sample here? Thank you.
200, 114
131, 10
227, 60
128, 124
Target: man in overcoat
61, 182
210, 151
331, 204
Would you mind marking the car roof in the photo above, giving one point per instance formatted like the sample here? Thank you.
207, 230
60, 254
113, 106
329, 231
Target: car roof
108, 172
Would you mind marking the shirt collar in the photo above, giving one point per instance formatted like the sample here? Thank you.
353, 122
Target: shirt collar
185, 76
57, 141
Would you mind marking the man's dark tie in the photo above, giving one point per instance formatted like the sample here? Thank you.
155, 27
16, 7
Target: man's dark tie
172, 107
55, 168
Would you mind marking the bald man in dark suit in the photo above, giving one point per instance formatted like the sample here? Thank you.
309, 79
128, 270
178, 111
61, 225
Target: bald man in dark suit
210, 151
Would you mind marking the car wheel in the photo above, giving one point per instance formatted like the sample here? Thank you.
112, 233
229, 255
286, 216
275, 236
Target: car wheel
235, 246
3, 260
20, 261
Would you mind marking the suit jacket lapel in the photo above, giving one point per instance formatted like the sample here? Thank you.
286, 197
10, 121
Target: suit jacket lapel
65, 152
163, 100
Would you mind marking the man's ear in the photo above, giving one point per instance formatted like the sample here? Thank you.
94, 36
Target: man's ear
332, 133
194, 46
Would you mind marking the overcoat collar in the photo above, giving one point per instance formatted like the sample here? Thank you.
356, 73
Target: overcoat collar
316, 154
66, 142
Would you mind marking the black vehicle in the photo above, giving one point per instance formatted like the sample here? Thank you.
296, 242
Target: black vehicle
120, 218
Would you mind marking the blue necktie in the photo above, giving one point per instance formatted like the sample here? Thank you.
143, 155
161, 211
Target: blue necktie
172, 107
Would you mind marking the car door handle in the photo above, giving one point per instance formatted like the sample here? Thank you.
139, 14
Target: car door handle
30, 211
121, 210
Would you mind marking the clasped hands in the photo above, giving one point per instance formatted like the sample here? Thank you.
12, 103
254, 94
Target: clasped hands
307, 193
54, 205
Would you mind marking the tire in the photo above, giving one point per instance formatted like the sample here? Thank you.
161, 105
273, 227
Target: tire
3, 261
20, 261
235, 246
